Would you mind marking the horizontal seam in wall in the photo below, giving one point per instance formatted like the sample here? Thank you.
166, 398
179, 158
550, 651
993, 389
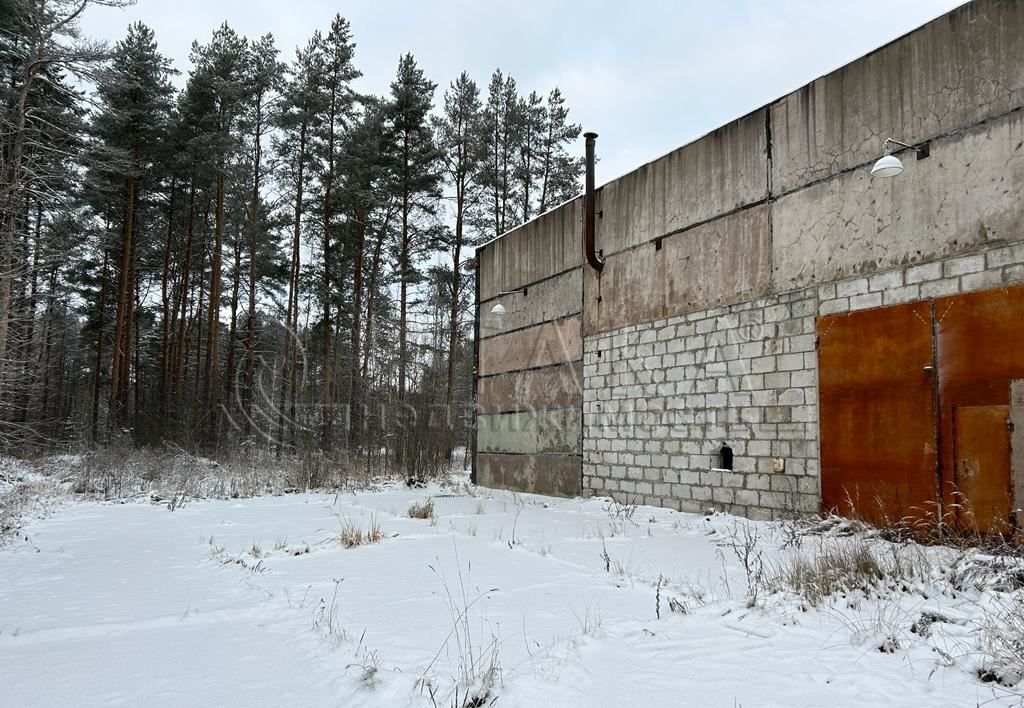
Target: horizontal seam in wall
480, 377
536, 282
570, 315
649, 324
534, 454
577, 409
511, 411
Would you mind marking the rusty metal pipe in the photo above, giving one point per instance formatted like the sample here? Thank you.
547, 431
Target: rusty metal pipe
589, 208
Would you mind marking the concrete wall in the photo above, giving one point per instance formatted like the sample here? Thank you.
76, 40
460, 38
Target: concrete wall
964, 197
719, 262
722, 171
959, 69
767, 222
1017, 446
546, 246
529, 387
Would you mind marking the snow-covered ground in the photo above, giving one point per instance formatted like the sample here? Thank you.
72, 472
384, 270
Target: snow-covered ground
255, 602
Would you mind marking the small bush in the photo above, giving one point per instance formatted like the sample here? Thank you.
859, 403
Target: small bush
422, 510
352, 535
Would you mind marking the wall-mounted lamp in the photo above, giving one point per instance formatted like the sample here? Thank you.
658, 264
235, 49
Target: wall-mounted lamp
889, 165
499, 309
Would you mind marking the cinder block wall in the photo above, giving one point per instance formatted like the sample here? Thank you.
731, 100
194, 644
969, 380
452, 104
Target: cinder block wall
720, 255
660, 400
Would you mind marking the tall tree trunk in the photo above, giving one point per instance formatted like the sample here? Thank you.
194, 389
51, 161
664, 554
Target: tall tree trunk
453, 316
371, 290
327, 432
236, 286
291, 315
181, 309
404, 267
212, 369
199, 380
121, 355
354, 382
137, 349
13, 199
165, 302
254, 223
99, 348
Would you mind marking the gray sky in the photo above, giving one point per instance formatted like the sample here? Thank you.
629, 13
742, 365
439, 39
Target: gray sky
647, 75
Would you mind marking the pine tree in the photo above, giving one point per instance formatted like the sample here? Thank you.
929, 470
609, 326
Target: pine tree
217, 85
135, 100
369, 210
503, 126
531, 140
417, 181
300, 110
339, 103
462, 141
264, 81
560, 171
41, 41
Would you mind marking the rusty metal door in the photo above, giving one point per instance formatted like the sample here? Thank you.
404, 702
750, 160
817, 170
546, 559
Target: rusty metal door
981, 446
980, 345
878, 413
914, 409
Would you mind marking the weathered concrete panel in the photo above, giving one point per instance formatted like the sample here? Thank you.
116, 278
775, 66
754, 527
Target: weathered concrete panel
964, 197
724, 261
954, 71
543, 345
721, 171
1017, 447
548, 300
549, 244
554, 475
630, 289
556, 431
538, 389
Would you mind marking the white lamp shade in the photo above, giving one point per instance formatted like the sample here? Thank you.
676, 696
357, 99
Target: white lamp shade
888, 166
498, 310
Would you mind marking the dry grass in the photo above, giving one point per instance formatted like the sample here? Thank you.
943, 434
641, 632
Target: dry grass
422, 510
12, 507
1003, 640
844, 565
352, 535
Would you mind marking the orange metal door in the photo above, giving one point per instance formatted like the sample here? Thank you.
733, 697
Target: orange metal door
878, 418
981, 444
980, 345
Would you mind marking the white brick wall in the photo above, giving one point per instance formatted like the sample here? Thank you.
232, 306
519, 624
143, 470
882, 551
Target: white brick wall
742, 375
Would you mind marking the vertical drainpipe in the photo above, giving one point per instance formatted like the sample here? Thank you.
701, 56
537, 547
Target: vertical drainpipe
589, 208
476, 369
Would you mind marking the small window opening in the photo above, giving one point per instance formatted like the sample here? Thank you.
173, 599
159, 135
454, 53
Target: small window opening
725, 457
